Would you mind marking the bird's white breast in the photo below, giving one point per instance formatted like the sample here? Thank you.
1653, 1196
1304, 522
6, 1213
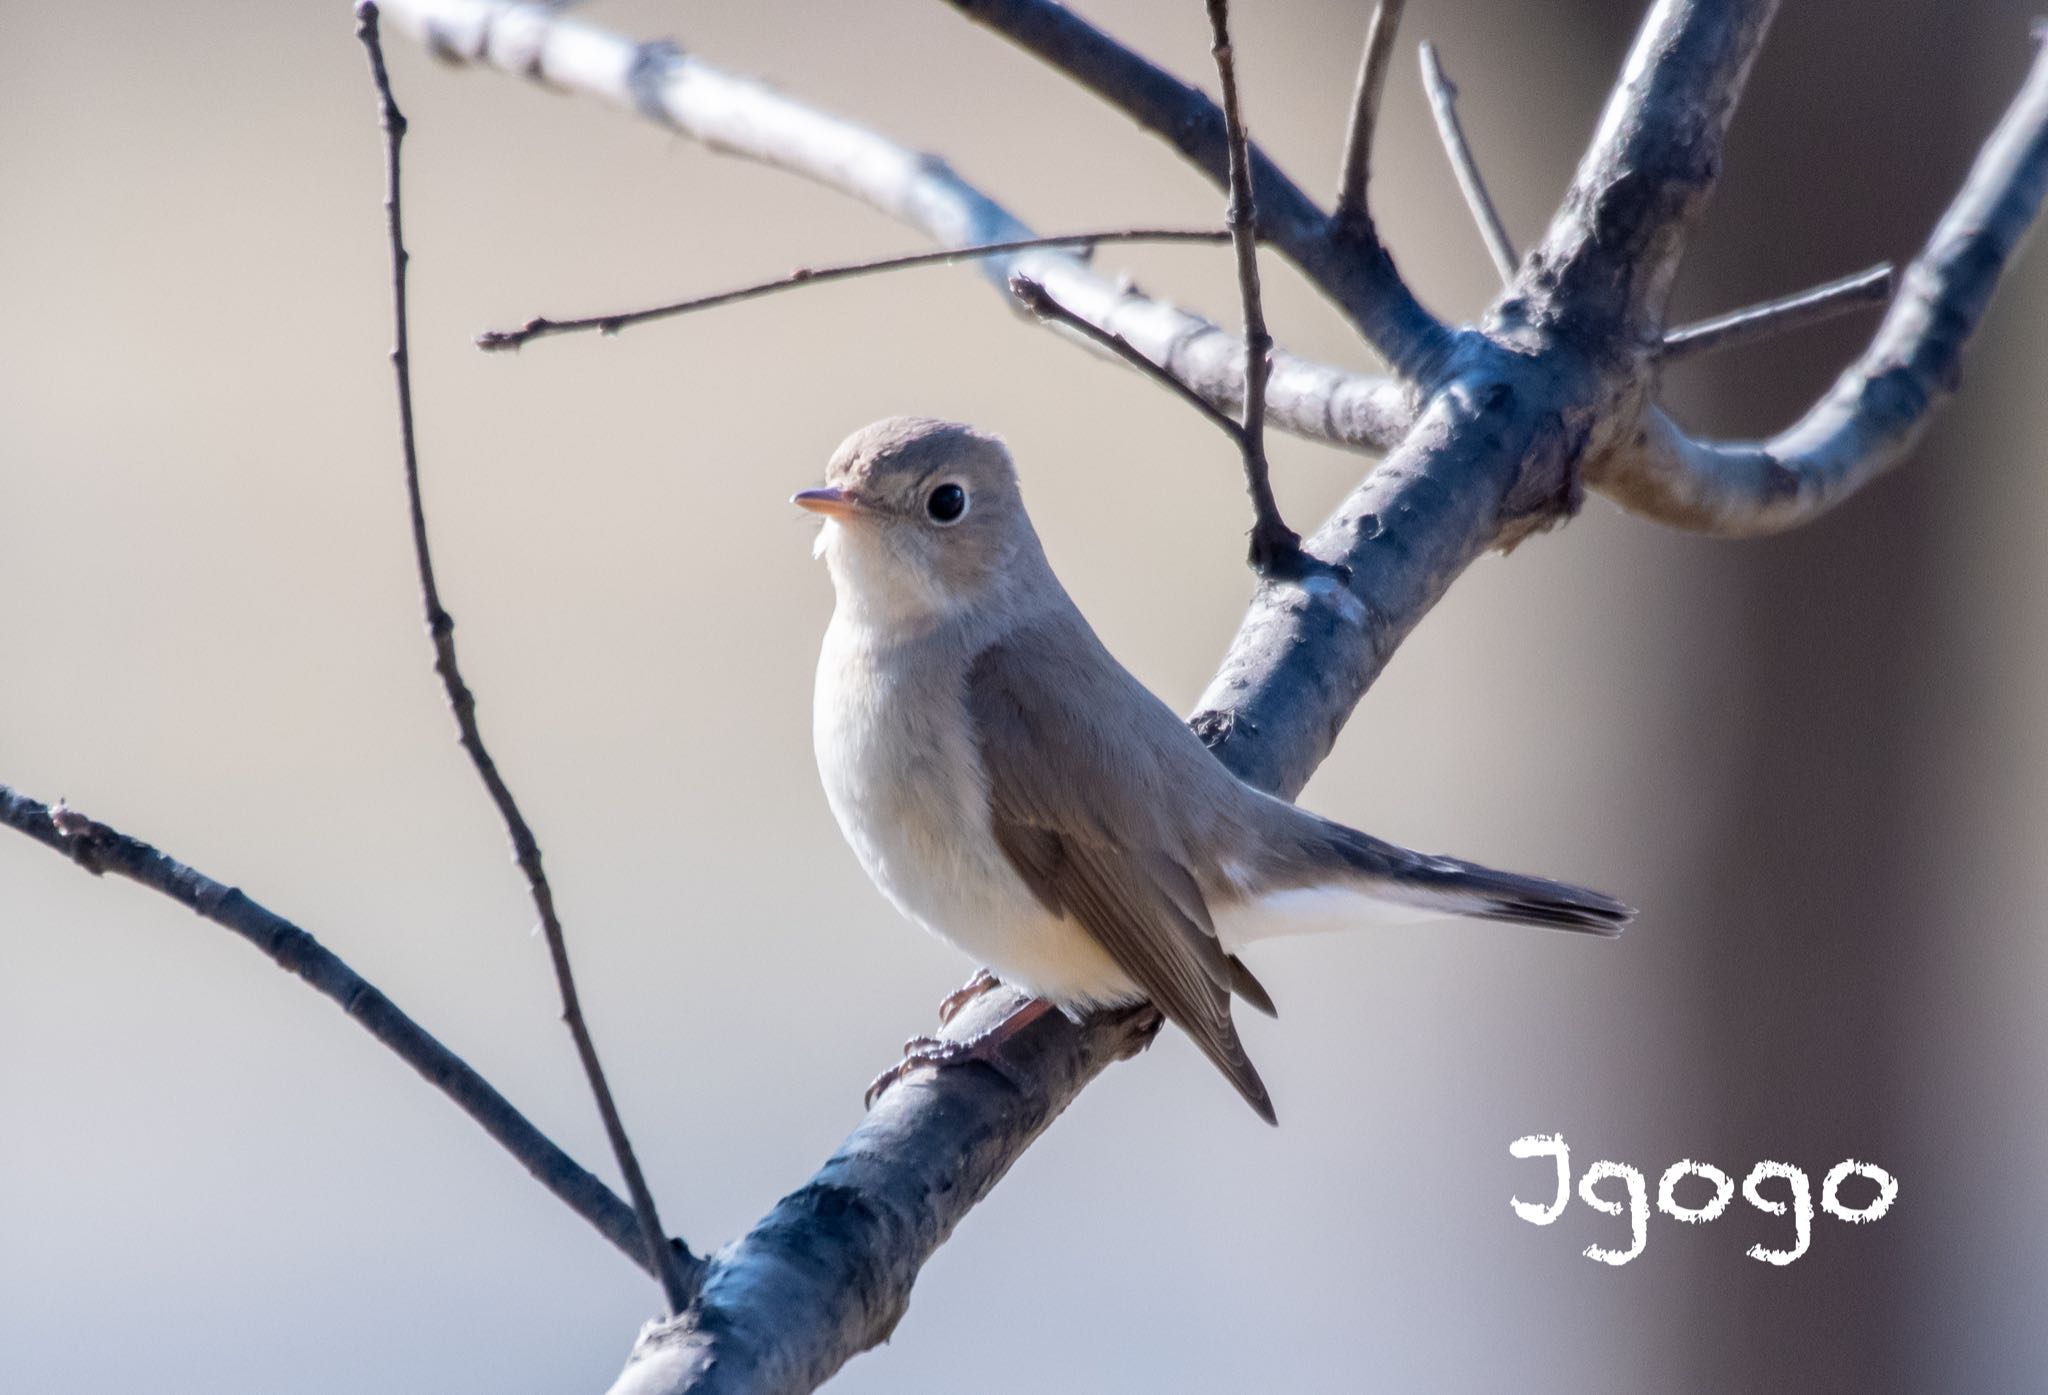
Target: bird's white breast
903, 776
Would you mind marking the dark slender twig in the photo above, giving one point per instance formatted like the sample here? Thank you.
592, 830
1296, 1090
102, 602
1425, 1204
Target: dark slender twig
100, 849
1040, 302
1348, 262
811, 276
1275, 547
1780, 316
1443, 102
662, 1256
1356, 171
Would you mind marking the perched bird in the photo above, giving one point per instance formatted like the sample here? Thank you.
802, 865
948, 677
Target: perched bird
1012, 788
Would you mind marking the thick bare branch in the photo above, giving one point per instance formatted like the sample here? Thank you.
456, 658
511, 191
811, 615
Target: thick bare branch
673, 1272
1355, 174
1494, 452
541, 326
1611, 252
1443, 103
1345, 261
1756, 323
1880, 404
100, 849
739, 116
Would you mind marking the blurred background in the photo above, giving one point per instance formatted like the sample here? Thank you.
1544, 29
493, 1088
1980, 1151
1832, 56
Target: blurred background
1818, 762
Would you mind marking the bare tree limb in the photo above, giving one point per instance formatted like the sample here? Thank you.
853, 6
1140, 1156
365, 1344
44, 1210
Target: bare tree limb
1275, 548
1346, 262
1611, 252
1881, 403
1495, 451
668, 1268
1040, 302
739, 116
541, 326
1356, 171
1772, 318
1443, 103
100, 849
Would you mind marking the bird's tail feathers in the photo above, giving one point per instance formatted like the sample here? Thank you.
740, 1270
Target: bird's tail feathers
1328, 876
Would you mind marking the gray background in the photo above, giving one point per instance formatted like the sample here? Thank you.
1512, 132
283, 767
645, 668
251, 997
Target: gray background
1818, 762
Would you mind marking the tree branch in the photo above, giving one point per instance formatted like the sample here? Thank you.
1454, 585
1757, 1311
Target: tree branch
739, 116
541, 326
100, 849
1347, 263
1275, 550
1878, 407
1608, 259
1560, 376
660, 1252
1443, 103
1356, 172
1040, 302
1772, 318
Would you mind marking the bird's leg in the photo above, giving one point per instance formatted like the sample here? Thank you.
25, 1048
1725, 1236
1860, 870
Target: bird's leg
985, 1047
966, 993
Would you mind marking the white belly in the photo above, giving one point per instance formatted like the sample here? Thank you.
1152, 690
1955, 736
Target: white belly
904, 779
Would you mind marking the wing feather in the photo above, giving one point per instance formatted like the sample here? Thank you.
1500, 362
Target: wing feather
1102, 859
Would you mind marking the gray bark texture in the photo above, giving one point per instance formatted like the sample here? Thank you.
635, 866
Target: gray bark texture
1491, 431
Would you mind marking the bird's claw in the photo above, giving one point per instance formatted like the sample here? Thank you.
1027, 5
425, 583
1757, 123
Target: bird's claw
984, 1047
950, 1005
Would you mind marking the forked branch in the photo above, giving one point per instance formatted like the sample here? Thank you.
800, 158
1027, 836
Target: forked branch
683, 93
1346, 262
1878, 407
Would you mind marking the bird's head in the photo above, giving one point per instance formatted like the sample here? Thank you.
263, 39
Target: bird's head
923, 519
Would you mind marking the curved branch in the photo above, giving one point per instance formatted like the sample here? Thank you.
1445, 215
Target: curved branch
1345, 260
99, 849
669, 1271
1878, 407
742, 117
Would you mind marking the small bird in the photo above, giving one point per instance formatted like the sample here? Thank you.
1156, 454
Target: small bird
1014, 789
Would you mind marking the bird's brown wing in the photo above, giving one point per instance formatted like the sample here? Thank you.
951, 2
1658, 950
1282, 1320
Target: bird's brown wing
1069, 806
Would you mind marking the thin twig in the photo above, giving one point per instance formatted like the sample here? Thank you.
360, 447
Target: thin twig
1275, 547
1347, 263
1356, 171
100, 849
736, 116
1443, 101
1039, 301
541, 326
1781, 316
662, 1255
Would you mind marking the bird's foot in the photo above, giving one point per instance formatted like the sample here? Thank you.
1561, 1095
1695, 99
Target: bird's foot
937, 1053
966, 993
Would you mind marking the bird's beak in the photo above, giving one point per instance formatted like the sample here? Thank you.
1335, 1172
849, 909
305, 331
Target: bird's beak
833, 503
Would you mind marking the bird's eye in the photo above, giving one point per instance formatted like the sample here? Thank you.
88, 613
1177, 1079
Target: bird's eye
945, 505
